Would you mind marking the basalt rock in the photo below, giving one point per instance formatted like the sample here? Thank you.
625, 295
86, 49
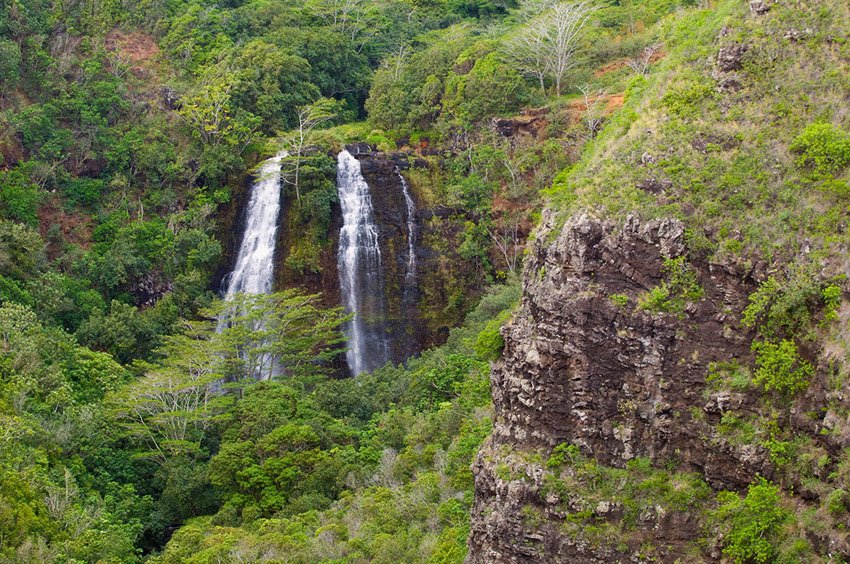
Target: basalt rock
403, 324
615, 380
730, 58
759, 7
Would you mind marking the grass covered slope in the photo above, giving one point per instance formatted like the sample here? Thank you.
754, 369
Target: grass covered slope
742, 129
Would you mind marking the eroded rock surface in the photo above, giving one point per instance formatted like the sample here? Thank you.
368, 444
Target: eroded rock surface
613, 379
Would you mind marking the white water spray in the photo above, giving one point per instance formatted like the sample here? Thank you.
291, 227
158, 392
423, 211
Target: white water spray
254, 269
360, 273
410, 274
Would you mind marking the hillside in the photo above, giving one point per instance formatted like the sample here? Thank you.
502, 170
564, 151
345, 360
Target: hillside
424, 281
673, 386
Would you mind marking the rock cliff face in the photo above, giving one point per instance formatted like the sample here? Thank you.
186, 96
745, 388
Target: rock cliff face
616, 381
403, 323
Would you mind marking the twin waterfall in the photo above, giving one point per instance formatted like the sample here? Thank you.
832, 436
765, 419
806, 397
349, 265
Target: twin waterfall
361, 273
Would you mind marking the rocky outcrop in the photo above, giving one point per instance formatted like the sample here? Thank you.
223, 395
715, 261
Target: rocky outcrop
615, 380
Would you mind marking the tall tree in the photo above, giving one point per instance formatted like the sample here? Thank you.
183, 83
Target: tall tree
286, 332
171, 407
297, 141
546, 46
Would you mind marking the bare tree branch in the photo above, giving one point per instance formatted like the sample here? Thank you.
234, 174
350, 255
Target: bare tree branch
641, 63
546, 46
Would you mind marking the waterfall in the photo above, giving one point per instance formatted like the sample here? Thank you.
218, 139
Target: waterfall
410, 274
253, 271
360, 273
254, 268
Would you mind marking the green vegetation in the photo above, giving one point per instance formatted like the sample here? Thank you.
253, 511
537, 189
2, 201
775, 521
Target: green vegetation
754, 523
590, 493
349, 469
132, 425
779, 368
679, 288
823, 147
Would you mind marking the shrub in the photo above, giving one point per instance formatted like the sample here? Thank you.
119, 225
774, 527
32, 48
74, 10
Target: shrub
838, 502
489, 343
784, 308
728, 375
10, 61
823, 147
19, 198
563, 453
754, 522
779, 367
831, 296
657, 299
684, 98
84, 192
680, 288
619, 300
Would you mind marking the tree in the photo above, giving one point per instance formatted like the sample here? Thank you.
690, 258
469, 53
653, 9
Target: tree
593, 113
214, 118
490, 88
641, 63
296, 142
285, 331
272, 83
529, 50
351, 18
508, 240
21, 250
546, 46
170, 408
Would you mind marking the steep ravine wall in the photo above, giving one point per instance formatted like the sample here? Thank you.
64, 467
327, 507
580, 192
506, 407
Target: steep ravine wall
616, 381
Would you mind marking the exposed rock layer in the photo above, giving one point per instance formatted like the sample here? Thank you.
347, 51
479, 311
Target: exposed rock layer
616, 381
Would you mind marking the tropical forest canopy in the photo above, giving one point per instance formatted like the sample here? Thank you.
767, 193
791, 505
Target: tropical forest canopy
132, 427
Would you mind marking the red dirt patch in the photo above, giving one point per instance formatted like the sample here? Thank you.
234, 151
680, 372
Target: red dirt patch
617, 65
75, 228
611, 102
135, 47
610, 67
614, 102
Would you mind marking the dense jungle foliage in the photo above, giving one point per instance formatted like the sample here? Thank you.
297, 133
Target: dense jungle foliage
128, 130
